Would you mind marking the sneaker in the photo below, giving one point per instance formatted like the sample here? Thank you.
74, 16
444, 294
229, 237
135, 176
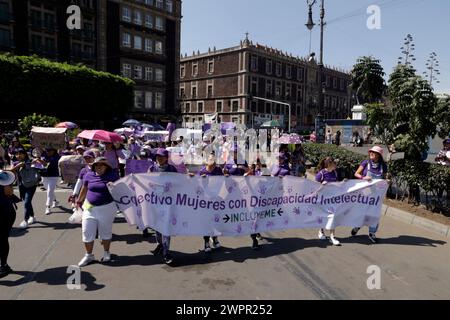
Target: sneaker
255, 245
31, 220
259, 236
4, 271
168, 259
158, 250
373, 238
355, 231
335, 241
55, 204
23, 225
322, 236
106, 257
88, 258
120, 215
47, 211
207, 247
216, 244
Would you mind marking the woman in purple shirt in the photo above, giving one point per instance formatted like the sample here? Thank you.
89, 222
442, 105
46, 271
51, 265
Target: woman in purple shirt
327, 173
98, 208
210, 169
373, 168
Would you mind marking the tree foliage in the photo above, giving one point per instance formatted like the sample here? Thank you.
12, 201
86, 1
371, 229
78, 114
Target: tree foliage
367, 80
26, 123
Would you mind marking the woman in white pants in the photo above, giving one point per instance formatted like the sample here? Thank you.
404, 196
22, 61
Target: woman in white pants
98, 209
50, 177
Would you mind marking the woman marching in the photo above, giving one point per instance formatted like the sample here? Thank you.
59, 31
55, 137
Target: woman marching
89, 158
210, 169
50, 177
7, 218
99, 208
256, 171
373, 168
162, 165
327, 173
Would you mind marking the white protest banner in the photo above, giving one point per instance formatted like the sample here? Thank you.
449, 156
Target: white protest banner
48, 137
176, 204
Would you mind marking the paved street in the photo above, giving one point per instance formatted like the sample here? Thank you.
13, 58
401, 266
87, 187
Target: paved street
291, 265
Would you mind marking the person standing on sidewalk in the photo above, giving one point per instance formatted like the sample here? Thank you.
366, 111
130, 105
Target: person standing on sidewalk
28, 180
7, 218
98, 209
162, 165
50, 177
373, 168
327, 173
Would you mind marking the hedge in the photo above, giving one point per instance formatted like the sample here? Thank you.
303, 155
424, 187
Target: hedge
419, 182
30, 84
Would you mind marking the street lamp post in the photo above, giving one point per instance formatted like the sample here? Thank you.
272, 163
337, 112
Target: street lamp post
319, 125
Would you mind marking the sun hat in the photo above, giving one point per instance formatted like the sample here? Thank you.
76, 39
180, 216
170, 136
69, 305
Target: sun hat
6, 178
162, 152
80, 147
377, 149
101, 160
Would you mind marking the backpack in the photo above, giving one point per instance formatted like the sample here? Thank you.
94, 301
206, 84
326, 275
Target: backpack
29, 177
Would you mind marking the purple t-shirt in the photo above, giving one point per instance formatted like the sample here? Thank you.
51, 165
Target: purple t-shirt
281, 171
376, 169
216, 172
112, 157
83, 172
98, 193
325, 175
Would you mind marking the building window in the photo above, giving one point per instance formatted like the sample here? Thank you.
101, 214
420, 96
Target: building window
169, 6
137, 72
137, 42
342, 84
182, 93
126, 14
148, 100
148, 73
149, 2
126, 70
5, 38
254, 106
289, 72
36, 43
148, 45
254, 63
160, 4
126, 40
188, 107
269, 66
300, 74
194, 70
158, 100
210, 67
210, 91
148, 21
200, 107
194, 92
219, 105
235, 106
138, 99
278, 69
159, 23
335, 84
137, 17
278, 91
235, 120
49, 45
268, 88
158, 47
182, 71
158, 75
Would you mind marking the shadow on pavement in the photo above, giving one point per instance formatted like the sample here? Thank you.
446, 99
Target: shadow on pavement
134, 238
400, 240
54, 277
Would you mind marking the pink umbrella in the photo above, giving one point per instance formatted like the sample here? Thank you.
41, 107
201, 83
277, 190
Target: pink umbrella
100, 135
292, 138
67, 124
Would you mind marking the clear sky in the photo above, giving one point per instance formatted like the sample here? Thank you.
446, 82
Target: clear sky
281, 24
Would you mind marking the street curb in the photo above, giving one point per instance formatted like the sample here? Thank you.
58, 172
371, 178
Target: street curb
411, 219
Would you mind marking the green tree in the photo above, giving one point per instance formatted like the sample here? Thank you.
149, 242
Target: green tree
442, 117
26, 123
367, 79
414, 107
